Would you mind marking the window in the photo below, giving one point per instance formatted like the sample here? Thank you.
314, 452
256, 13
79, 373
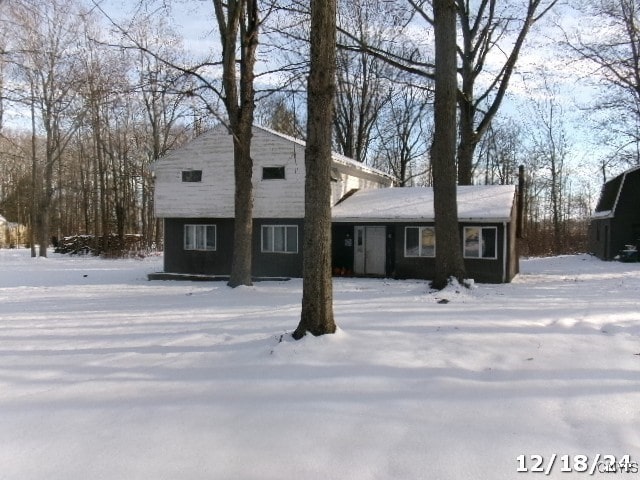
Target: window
200, 237
419, 242
280, 239
192, 175
480, 242
273, 173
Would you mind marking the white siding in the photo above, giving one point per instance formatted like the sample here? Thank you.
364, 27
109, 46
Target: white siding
277, 198
214, 195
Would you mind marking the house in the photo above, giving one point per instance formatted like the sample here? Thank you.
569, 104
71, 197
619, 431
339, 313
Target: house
194, 195
391, 232
11, 234
3, 232
377, 230
616, 220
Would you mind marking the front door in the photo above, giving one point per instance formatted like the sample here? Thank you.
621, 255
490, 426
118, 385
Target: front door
370, 253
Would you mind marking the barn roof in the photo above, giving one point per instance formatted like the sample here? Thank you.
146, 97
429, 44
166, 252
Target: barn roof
610, 194
482, 203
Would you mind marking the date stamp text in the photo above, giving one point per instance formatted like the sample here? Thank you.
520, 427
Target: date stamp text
597, 463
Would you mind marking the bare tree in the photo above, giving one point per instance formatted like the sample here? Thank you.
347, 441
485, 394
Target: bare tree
238, 26
164, 105
404, 134
3, 64
363, 81
486, 30
317, 293
449, 261
550, 148
490, 29
499, 153
278, 113
611, 46
47, 59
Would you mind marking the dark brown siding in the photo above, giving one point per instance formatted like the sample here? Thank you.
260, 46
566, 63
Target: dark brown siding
486, 270
600, 238
401, 267
179, 260
218, 262
276, 264
411, 267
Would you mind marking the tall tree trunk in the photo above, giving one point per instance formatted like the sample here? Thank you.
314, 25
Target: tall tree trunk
468, 142
317, 289
243, 223
449, 261
35, 192
241, 16
44, 209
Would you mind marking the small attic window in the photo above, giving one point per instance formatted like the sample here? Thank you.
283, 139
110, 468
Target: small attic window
273, 173
192, 175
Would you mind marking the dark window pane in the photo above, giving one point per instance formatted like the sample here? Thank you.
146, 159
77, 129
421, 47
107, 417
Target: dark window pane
273, 173
292, 239
278, 239
267, 243
201, 240
489, 243
428, 242
472, 242
411, 242
192, 175
189, 237
211, 237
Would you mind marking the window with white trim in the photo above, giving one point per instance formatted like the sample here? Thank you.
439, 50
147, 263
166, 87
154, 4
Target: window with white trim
200, 237
419, 242
481, 242
279, 239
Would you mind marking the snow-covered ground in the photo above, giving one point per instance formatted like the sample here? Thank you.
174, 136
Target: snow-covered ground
105, 375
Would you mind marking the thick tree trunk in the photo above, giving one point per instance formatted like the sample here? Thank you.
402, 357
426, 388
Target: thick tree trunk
241, 19
467, 144
449, 261
241, 259
317, 294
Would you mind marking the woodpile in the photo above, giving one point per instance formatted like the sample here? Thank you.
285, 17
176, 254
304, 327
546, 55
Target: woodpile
111, 245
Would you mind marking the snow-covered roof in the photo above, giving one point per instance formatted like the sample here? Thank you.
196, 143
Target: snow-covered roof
487, 203
603, 214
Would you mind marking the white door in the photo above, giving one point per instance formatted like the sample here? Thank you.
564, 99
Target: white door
370, 254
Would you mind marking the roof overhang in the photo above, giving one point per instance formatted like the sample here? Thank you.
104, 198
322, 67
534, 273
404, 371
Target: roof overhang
602, 215
361, 220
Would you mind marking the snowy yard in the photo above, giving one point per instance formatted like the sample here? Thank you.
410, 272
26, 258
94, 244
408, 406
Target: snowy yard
105, 375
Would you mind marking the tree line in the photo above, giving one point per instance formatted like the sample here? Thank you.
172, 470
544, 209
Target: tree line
89, 101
